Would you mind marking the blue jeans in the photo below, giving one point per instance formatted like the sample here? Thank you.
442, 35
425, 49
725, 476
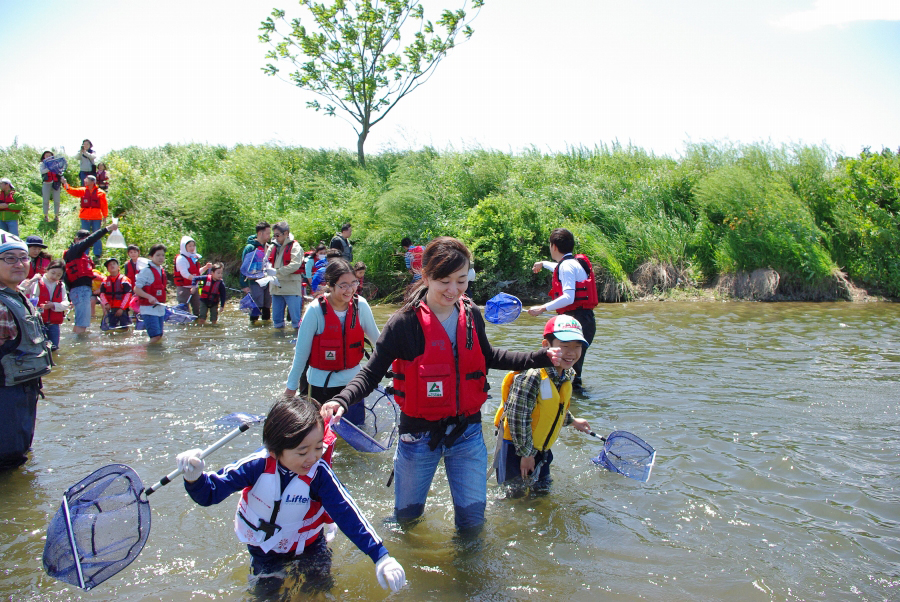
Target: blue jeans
52, 333
11, 226
80, 296
295, 306
153, 325
92, 225
466, 464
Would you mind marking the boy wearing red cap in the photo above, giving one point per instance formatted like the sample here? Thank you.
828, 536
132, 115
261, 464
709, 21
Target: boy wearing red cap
535, 407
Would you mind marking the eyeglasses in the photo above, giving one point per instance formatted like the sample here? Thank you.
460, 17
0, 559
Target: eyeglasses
348, 286
277, 234
14, 259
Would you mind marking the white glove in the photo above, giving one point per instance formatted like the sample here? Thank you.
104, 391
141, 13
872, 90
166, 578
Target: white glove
270, 271
390, 574
190, 464
330, 532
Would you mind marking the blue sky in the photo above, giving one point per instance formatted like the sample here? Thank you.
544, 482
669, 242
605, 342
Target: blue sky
536, 74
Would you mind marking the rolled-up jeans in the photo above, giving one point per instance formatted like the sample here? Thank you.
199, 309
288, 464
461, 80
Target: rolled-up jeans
466, 463
80, 296
294, 304
92, 225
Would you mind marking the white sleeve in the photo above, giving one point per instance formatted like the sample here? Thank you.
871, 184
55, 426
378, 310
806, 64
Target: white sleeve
181, 265
570, 272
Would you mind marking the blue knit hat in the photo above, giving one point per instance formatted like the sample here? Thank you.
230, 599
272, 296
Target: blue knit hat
10, 242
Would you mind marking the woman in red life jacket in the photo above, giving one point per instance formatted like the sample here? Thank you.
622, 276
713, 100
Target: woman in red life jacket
102, 176
115, 295
331, 338
439, 354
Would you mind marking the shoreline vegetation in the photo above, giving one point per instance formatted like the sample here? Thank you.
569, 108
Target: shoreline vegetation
724, 220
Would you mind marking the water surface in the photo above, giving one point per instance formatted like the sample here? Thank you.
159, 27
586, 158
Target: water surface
776, 427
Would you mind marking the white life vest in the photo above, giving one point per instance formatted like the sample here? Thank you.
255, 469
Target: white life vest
297, 521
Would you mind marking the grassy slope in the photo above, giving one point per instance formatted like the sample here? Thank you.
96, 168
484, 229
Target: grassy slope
717, 210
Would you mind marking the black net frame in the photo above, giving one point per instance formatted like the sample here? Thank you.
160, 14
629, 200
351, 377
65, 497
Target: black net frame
106, 520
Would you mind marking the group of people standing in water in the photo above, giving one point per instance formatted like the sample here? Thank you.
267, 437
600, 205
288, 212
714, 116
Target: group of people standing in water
438, 354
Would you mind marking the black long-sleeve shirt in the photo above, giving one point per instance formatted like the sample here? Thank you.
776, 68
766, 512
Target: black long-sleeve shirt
403, 338
77, 250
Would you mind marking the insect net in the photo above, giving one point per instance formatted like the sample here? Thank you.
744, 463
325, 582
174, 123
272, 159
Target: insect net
248, 305
502, 309
179, 314
99, 529
378, 431
627, 454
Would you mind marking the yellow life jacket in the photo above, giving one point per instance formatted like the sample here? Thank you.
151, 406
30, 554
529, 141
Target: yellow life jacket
549, 412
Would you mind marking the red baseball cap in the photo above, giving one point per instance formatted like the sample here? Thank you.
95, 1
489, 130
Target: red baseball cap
565, 328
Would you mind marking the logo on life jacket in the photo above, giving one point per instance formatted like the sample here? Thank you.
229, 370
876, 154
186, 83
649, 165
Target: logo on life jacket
330, 355
296, 499
435, 389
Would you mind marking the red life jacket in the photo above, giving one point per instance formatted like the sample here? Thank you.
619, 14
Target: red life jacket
38, 265
193, 269
131, 270
437, 385
158, 288
7, 197
585, 290
416, 263
285, 257
338, 347
91, 198
209, 290
115, 290
82, 267
49, 176
50, 316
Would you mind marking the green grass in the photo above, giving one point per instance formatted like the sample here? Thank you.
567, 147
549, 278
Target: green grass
717, 209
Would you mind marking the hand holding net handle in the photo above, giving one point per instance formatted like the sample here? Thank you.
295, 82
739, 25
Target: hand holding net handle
206, 452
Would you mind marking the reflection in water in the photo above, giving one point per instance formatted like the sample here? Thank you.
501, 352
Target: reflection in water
775, 426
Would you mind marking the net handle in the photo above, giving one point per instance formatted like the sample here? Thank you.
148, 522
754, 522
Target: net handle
65, 506
206, 452
593, 434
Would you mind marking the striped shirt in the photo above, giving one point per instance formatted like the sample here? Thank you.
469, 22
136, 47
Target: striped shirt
8, 328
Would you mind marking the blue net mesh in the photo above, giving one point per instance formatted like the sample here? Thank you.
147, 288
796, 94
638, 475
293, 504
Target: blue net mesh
57, 165
502, 309
248, 306
99, 529
627, 454
179, 314
378, 431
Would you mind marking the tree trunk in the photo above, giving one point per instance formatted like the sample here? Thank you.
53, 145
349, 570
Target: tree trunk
360, 143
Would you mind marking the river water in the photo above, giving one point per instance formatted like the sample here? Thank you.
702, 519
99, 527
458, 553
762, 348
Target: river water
776, 428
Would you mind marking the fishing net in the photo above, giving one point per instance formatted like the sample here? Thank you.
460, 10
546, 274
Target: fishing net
99, 529
627, 454
56, 164
249, 306
502, 309
179, 315
378, 430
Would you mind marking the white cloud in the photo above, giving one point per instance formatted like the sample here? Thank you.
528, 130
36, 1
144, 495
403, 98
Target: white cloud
840, 12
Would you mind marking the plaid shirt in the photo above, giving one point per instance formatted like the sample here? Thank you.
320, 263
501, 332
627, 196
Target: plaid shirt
8, 330
523, 394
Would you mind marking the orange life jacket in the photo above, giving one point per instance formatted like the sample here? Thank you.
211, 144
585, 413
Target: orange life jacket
339, 346
115, 290
50, 316
437, 384
585, 290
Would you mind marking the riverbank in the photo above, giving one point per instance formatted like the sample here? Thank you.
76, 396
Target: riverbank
700, 220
